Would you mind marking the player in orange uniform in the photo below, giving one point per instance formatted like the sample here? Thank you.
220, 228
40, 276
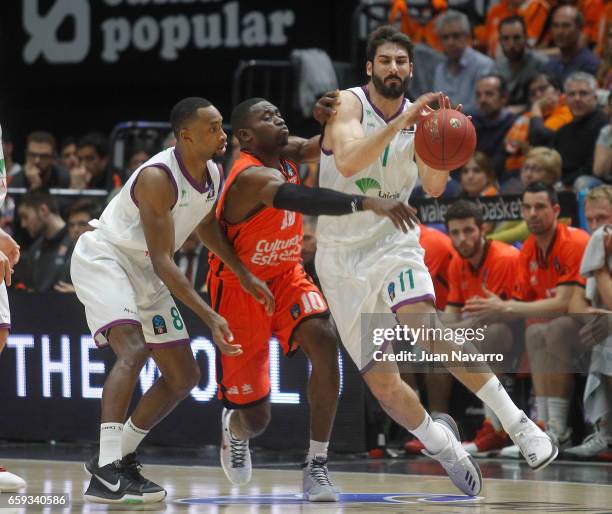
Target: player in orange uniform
548, 272
255, 209
438, 254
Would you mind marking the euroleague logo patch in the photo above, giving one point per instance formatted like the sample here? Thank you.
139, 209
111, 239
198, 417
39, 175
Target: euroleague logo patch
159, 325
347, 498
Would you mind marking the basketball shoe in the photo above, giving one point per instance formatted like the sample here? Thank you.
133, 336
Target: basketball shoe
235, 453
459, 464
487, 440
592, 446
535, 445
9, 482
316, 483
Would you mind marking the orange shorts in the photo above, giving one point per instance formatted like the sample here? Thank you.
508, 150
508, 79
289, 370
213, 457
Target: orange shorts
245, 380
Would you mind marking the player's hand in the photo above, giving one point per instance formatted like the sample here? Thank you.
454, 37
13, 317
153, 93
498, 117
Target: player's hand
608, 241
258, 288
401, 214
9, 247
325, 108
222, 336
5, 269
491, 302
32, 173
419, 110
597, 329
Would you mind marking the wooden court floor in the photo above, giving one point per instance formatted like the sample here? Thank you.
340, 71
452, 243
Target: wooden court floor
196, 489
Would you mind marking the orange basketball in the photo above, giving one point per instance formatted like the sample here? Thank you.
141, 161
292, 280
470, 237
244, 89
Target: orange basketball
445, 140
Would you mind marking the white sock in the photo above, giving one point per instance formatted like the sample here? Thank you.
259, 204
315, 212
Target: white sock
494, 396
110, 443
317, 448
432, 435
490, 415
542, 408
558, 409
131, 438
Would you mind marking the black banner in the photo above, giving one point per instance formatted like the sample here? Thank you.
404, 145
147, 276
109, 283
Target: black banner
51, 377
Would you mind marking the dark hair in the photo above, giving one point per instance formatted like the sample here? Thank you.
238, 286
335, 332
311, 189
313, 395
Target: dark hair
37, 198
67, 141
96, 139
41, 136
543, 187
503, 85
463, 209
185, 110
388, 34
87, 205
513, 19
241, 113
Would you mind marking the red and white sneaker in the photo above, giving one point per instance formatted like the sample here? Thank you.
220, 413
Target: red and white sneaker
488, 440
10, 483
414, 447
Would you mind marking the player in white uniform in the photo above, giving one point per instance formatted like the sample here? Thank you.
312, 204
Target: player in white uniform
9, 256
124, 274
366, 267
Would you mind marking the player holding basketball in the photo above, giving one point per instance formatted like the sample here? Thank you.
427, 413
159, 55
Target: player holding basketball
366, 267
255, 209
124, 274
9, 256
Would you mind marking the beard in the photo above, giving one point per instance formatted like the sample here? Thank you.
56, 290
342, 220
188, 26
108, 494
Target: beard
472, 251
390, 91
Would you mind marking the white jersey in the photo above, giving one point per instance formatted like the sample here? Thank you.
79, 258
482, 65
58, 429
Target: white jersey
392, 175
3, 172
120, 222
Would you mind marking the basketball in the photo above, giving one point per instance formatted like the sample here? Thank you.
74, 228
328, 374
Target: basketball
445, 140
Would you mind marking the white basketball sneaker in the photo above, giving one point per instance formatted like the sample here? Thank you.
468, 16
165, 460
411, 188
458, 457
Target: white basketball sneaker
235, 454
534, 444
316, 483
9, 482
459, 464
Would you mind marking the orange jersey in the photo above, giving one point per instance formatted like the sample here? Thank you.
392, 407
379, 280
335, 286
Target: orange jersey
540, 274
496, 272
268, 242
438, 254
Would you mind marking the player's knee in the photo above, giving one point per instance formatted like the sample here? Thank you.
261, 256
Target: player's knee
320, 345
256, 419
534, 338
134, 357
182, 383
561, 333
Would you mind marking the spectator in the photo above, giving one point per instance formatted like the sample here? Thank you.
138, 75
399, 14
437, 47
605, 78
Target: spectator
12, 168
596, 298
492, 121
567, 24
46, 265
93, 152
463, 65
602, 160
137, 158
548, 272
40, 171
79, 176
517, 64
79, 214
541, 165
478, 177
438, 254
192, 260
604, 73
575, 141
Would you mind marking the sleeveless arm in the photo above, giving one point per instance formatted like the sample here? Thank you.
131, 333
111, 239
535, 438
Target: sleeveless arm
301, 150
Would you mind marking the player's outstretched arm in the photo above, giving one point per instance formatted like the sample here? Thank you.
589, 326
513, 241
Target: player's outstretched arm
155, 196
209, 231
270, 188
301, 150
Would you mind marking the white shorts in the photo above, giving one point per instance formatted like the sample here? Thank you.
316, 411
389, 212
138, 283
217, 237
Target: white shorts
5, 313
119, 287
378, 277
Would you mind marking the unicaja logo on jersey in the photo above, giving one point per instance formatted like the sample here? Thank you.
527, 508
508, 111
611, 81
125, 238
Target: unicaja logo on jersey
367, 183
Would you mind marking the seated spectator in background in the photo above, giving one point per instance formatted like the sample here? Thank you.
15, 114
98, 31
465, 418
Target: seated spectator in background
463, 66
533, 12
420, 28
137, 158
548, 273
93, 152
575, 141
602, 160
192, 260
596, 298
79, 214
438, 254
541, 165
79, 176
536, 127
516, 63
604, 73
40, 170
478, 177
492, 121
46, 264
12, 167
567, 24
